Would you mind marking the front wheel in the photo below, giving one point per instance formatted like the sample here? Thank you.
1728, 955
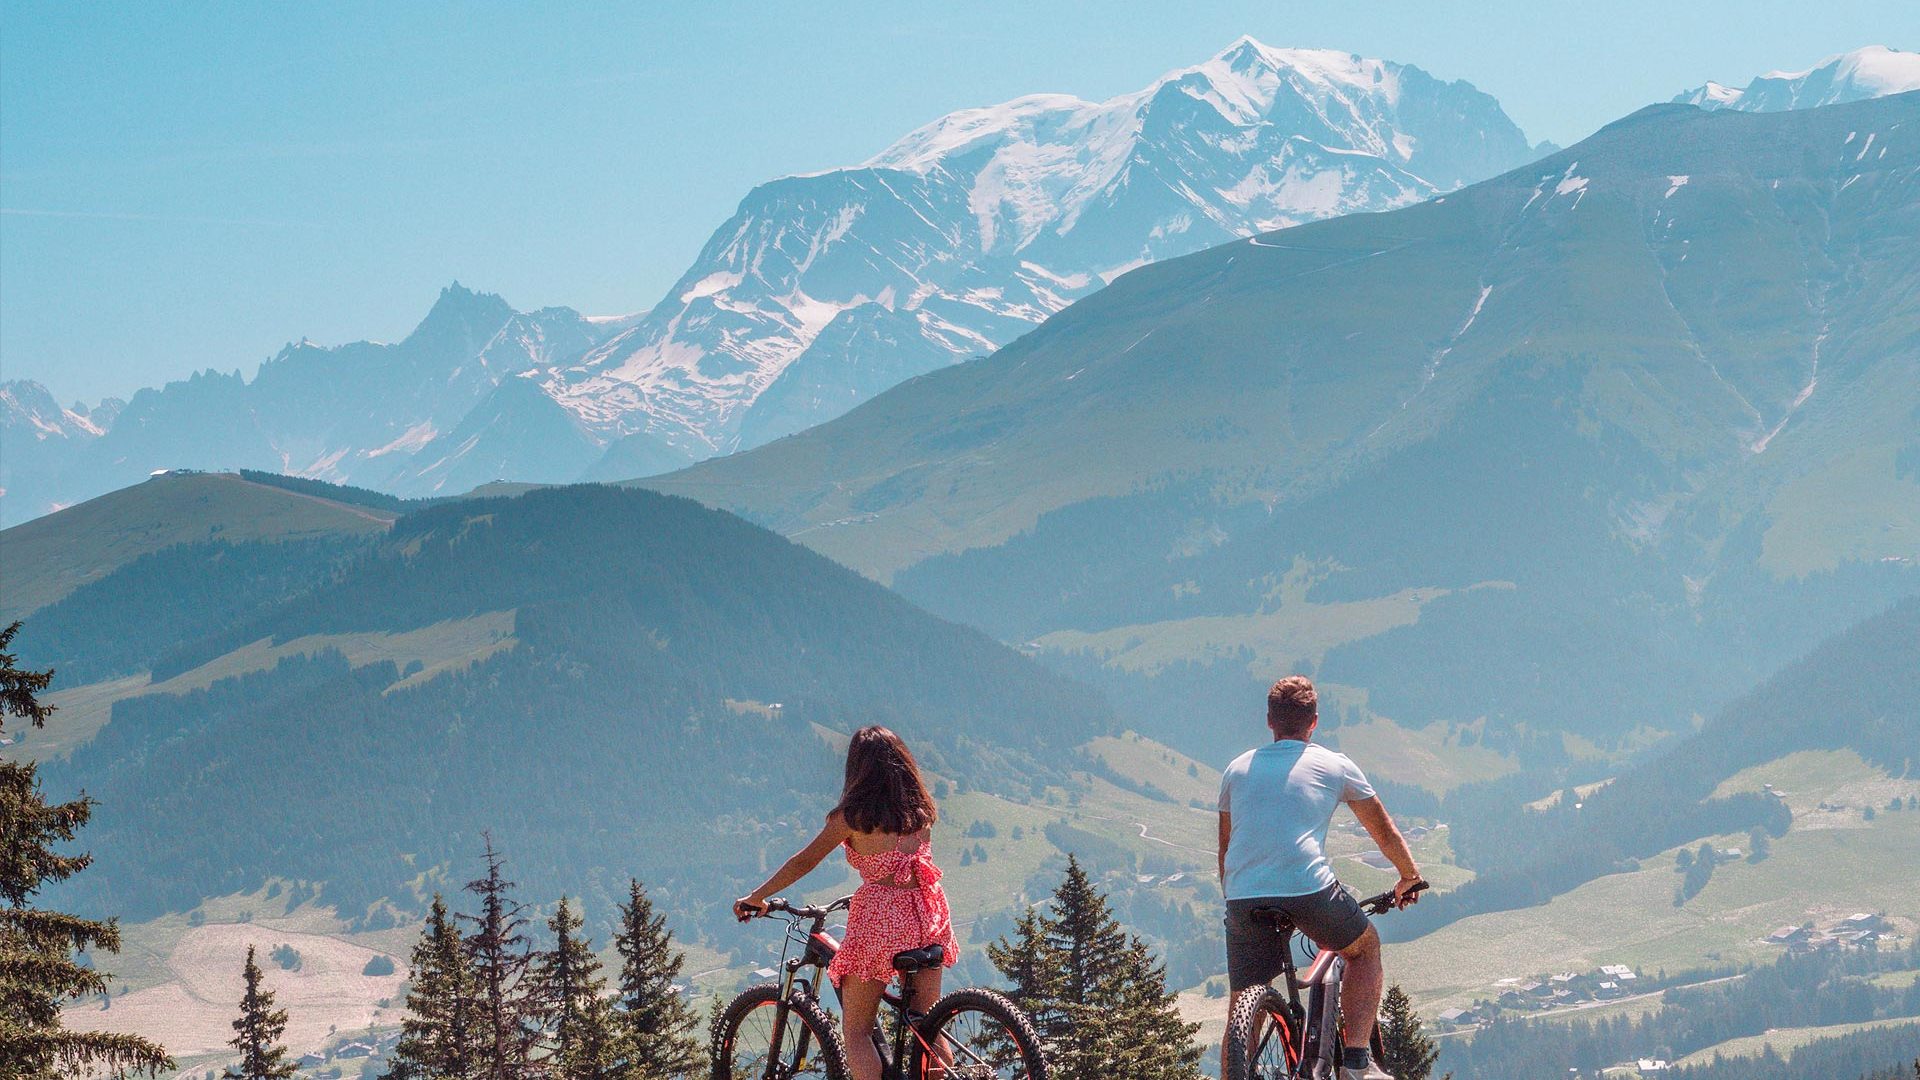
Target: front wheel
976, 1034
1259, 1039
744, 1046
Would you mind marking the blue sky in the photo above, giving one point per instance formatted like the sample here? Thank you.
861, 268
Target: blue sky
190, 186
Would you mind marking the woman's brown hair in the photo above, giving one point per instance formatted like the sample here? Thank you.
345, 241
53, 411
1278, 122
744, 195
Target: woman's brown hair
884, 792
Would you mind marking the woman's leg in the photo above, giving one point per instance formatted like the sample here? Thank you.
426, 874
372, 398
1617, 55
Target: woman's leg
924, 990
859, 1008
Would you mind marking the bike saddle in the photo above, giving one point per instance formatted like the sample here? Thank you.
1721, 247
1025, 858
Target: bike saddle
921, 959
1272, 916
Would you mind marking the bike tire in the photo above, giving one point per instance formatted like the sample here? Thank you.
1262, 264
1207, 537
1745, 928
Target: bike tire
1245, 1062
995, 1037
742, 1037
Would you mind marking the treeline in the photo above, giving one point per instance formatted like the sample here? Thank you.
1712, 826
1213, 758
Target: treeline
1795, 991
340, 493
1888, 1053
1867, 684
484, 1003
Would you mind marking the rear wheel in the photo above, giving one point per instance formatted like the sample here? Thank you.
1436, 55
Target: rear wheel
743, 1040
1259, 1039
976, 1034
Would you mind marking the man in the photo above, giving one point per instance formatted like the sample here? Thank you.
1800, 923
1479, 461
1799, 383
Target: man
1275, 805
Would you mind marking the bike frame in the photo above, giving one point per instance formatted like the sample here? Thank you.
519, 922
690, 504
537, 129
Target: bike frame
816, 954
1307, 1025
1315, 1028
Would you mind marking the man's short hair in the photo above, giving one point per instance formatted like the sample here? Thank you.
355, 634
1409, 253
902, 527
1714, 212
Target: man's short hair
1292, 707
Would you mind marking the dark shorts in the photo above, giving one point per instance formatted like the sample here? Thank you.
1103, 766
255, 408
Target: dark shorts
1331, 918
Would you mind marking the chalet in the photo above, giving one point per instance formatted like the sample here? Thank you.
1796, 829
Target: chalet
1616, 972
1789, 935
1512, 998
1647, 1065
1456, 1016
1856, 939
1376, 860
1415, 832
310, 1061
353, 1050
1534, 989
1861, 920
1567, 979
1608, 990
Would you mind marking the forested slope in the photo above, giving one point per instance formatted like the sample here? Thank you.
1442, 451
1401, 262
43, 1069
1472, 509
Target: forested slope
621, 732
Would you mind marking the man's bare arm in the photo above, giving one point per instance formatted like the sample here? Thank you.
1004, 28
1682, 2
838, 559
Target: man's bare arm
1386, 835
1226, 833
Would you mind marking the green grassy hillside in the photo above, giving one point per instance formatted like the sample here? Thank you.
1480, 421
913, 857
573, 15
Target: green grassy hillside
47, 558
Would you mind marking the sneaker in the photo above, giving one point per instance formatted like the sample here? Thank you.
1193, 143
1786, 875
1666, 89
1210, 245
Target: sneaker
1373, 1071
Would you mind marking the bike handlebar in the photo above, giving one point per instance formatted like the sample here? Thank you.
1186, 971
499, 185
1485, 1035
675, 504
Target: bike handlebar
779, 905
1386, 901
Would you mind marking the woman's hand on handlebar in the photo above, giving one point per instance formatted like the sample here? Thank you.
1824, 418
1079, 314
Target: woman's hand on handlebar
748, 908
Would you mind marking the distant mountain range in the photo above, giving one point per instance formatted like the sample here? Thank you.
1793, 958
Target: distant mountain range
1645, 406
823, 290
820, 291
1874, 71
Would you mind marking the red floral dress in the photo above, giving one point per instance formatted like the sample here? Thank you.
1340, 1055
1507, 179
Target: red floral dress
899, 906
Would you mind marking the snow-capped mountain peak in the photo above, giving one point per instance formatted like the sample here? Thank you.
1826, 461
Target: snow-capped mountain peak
969, 230
1869, 72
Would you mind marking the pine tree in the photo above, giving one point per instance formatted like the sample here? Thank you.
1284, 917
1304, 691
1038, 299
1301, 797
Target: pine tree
597, 1049
566, 983
37, 967
1406, 1051
1032, 972
437, 1036
257, 1032
500, 957
1098, 998
657, 1025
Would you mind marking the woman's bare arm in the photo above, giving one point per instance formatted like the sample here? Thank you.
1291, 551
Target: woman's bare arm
831, 835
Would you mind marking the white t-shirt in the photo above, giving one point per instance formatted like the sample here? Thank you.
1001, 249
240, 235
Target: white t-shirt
1282, 797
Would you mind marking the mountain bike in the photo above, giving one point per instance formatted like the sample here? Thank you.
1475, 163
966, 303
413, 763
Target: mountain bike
780, 1031
1271, 1036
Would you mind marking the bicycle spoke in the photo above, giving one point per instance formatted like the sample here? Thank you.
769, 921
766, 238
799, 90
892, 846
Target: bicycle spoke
1273, 1058
975, 1046
754, 1057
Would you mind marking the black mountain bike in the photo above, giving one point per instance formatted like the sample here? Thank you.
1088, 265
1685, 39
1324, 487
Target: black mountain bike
781, 1031
1273, 1036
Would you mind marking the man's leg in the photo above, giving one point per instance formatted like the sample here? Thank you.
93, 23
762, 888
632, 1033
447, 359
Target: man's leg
1360, 988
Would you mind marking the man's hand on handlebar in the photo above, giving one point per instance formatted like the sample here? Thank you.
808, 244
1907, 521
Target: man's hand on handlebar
1406, 891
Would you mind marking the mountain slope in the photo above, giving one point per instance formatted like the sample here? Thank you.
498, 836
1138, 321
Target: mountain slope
1649, 394
967, 232
619, 725
1874, 71
49, 557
